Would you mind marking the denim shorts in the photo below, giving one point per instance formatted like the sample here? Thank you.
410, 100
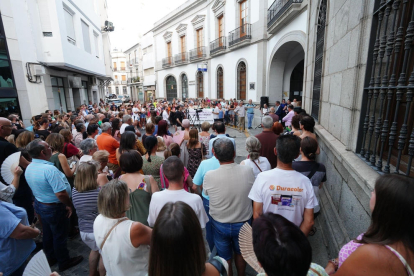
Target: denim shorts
226, 238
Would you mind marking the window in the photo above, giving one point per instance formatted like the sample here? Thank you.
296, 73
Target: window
169, 50
386, 133
199, 38
70, 30
200, 85
86, 39
244, 17
124, 90
317, 72
96, 39
220, 83
220, 27
115, 67
122, 65
6, 76
182, 42
171, 85
116, 77
117, 90
184, 85
241, 81
123, 77
58, 93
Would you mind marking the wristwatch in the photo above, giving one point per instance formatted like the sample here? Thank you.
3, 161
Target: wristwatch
335, 263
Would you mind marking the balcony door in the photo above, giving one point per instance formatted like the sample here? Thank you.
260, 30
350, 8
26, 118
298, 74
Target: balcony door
184, 85
200, 42
171, 85
183, 50
244, 16
220, 83
169, 53
241, 81
200, 84
220, 30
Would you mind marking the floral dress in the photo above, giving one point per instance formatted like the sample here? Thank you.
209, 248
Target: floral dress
153, 167
205, 141
195, 156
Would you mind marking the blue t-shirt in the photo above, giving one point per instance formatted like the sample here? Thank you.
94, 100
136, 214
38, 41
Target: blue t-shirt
205, 166
13, 252
250, 108
221, 114
45, 180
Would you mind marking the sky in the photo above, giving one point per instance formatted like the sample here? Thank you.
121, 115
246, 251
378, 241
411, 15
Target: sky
133, 18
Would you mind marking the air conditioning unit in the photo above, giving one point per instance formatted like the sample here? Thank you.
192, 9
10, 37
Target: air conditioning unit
39, 70
74, 82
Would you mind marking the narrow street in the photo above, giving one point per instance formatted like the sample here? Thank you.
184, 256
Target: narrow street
319, 254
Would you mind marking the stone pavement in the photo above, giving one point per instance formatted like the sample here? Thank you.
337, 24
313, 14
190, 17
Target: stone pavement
319, 254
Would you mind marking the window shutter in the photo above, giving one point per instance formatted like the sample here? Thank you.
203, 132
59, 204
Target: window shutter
86, 39
44, 16
69, 25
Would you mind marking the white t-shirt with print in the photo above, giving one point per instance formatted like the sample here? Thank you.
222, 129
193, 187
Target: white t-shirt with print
159, 199
283, 192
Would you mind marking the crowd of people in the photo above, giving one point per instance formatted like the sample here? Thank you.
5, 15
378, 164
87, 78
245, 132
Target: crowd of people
151, 195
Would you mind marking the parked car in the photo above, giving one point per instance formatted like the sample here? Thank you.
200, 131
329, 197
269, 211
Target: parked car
117, 102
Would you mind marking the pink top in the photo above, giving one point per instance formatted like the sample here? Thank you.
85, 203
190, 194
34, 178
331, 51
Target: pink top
178, 136
186, 174
288, 118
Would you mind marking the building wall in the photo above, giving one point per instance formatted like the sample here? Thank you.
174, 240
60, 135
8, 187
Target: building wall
345, 196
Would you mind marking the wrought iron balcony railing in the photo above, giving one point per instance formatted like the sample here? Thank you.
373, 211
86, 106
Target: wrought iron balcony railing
198, 53
277, 9
115, 69
218, 45
244, 32
181, 58
167, 62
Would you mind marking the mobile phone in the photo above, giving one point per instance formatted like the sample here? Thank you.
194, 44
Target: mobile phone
72, 164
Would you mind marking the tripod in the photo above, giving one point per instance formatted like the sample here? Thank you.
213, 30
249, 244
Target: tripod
259, 125
194, 119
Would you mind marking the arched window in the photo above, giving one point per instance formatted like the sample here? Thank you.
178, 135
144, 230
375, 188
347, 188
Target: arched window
241, 81
317, 72
184, 85
200, 85
220, 94
171, 85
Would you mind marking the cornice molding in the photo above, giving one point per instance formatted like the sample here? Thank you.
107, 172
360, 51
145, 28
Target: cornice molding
218, 5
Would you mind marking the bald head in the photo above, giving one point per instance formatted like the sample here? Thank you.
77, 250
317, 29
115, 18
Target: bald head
5, 127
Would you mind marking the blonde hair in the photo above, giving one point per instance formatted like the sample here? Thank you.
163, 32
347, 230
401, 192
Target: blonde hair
193, 133
56, 141
205, 126
112, 199
66, 133
160, 144
10, 138
24, 139
86, 176
101, 156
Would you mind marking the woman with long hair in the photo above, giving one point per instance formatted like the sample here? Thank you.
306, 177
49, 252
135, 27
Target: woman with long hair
163, 132
387, 247
85, 200
141, 187
123, 242
56, 142
24, 139
196, 152
128, 142
151, 161
187, 238
254, 160
69, 148
116, 125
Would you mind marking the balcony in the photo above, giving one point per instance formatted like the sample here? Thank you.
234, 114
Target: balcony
133, 80
115, 69
116, 82
167, 62
198, 53
124, 82
218, 46
240, 36
122, 68
282, 11
181, 58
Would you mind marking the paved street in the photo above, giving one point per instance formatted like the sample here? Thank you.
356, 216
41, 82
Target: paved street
319, 254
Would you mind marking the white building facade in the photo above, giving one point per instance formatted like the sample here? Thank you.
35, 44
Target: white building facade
119, 86
148, 66
134, 72
227, 49
55, 49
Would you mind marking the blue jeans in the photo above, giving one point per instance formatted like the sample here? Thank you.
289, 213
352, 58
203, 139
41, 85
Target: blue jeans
250, 117
55, 227
209, 226
226, 238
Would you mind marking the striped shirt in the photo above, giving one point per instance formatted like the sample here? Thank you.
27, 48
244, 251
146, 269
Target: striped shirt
46, 180
86, 205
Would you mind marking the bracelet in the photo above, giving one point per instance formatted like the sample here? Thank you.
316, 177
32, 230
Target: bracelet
335, 263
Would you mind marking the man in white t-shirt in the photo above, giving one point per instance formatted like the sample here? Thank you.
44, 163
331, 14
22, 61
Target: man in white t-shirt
173, 169
216, 113
126, 121
283, 190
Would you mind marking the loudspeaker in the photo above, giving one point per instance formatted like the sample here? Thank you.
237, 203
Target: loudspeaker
264, 100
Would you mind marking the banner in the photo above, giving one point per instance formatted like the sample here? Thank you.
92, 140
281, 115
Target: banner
205, 116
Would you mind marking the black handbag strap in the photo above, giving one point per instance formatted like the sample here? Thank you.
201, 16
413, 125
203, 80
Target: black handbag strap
314, 169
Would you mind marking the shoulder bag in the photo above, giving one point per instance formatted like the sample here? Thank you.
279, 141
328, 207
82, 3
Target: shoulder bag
257, 166
109, 232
